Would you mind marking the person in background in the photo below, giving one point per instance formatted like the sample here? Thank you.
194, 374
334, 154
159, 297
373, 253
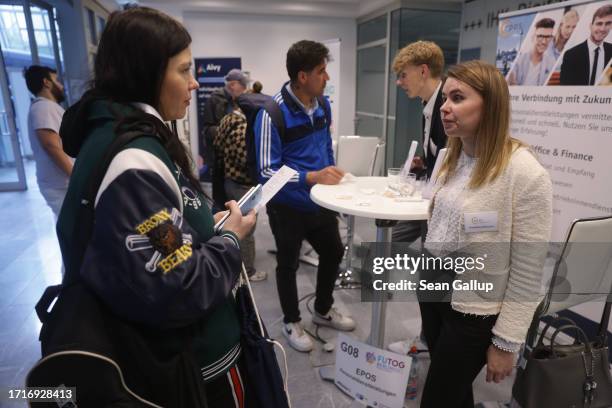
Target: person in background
53, 166
220, 103
257, 87
492, 178
306, 148
419, 68
534, 66
564, 32
232, 150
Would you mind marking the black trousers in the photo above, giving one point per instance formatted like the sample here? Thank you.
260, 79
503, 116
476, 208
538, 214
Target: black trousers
218, 187
458, 346
290, 227
229, 389
407, 231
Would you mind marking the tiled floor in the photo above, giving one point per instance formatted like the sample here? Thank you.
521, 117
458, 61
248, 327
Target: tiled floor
30, 260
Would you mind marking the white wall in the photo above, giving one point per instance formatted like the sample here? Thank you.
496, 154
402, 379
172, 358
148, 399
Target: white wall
262, 42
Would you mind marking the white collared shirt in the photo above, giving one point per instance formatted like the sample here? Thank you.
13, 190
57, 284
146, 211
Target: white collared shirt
427, 113
600, 59
148, 109
310, 112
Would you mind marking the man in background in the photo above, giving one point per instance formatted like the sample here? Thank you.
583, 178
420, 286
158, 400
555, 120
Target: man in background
419, 68
53, 166
220, 103
305, 145
585, 62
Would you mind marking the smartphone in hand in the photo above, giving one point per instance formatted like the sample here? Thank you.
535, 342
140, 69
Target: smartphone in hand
246, 203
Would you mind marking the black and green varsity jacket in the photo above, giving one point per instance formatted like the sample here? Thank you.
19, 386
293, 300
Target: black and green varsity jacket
153, 258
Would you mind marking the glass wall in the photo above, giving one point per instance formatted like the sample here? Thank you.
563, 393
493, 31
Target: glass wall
27, 36
370, 91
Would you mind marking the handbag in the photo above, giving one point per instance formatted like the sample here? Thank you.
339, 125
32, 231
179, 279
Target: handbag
575, 375
265, 384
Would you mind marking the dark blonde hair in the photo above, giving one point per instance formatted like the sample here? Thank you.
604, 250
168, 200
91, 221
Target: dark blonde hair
494, 146
418, 53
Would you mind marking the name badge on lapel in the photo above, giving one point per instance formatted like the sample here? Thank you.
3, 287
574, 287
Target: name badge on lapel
480, 221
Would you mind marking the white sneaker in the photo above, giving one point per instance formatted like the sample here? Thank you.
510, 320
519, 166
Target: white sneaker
297, 337
334, 319
258, 276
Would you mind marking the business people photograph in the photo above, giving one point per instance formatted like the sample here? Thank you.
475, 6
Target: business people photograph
534, 66
585, 61
564, 31
535, 62
606, 79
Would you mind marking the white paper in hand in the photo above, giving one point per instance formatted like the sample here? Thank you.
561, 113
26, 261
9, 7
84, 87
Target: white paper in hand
411, 153
273, 186
427, 192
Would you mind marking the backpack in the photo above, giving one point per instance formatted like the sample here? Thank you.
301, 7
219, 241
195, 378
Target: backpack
251, 104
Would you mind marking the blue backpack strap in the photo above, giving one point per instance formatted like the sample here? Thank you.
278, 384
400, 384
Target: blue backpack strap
276, 116
324, 103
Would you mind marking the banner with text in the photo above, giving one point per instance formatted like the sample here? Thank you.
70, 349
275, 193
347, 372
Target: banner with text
562, 100
210, 74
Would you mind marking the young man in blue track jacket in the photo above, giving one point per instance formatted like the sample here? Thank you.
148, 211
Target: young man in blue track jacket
305, 145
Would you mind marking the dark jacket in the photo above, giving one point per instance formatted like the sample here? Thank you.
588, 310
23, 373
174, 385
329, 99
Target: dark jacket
215, 109
436, 134
217, 106
575, 68
154, 291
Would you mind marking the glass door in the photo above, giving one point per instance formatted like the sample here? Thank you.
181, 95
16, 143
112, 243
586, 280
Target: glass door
371, 98
12, 174
28, 35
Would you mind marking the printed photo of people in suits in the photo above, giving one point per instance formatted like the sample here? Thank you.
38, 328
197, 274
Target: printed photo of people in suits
589, 50
565, 46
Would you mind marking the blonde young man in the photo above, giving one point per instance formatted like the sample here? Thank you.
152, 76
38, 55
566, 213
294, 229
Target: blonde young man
419, 73
419, 67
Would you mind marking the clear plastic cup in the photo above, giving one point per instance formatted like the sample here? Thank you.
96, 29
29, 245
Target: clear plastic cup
419, 186
407, 183
393, 182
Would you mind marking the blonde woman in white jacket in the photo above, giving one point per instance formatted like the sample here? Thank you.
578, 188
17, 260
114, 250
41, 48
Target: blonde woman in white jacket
490, 177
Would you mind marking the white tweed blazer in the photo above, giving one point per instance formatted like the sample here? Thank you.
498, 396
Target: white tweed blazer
522, 198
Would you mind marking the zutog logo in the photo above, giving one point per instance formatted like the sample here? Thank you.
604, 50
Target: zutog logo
384, 363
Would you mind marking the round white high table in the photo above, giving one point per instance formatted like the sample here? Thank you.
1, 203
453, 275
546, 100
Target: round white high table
363, 198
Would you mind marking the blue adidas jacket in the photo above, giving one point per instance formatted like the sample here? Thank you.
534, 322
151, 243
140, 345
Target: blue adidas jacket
307, 146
